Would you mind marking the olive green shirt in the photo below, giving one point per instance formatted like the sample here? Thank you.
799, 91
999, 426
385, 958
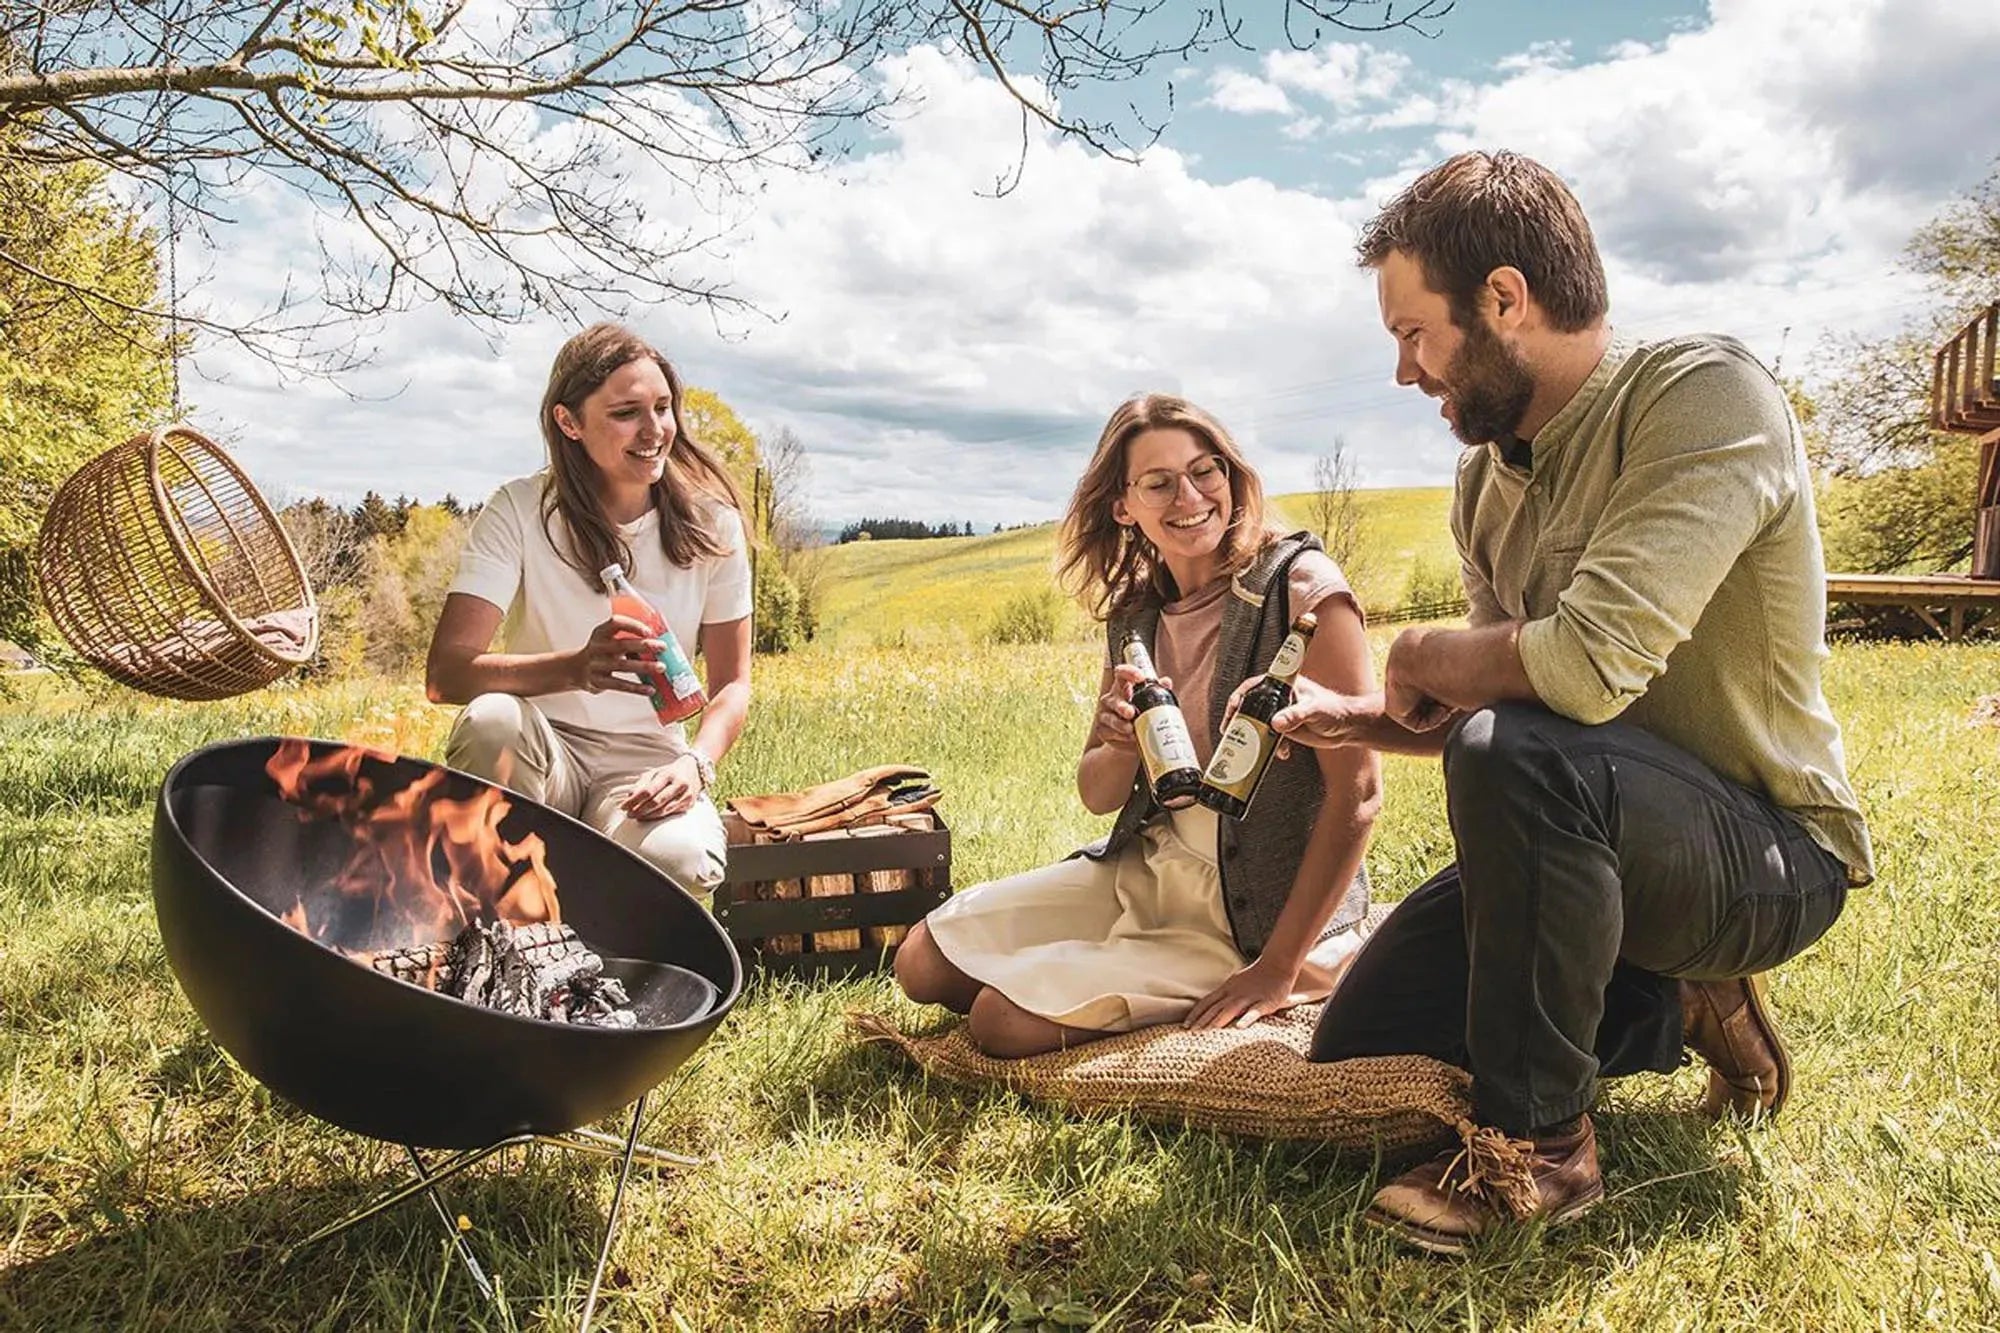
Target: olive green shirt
1661, 548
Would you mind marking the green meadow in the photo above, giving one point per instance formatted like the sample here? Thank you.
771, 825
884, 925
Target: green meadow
949, 589
147, 1183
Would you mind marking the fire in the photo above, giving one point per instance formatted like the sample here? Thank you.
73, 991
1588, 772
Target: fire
424, 866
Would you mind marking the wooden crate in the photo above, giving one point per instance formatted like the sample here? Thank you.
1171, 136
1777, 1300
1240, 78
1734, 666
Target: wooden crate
833, 903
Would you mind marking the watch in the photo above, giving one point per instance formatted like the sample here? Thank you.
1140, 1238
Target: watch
704, 768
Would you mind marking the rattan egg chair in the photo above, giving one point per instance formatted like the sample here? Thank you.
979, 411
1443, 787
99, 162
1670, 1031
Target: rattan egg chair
164, 568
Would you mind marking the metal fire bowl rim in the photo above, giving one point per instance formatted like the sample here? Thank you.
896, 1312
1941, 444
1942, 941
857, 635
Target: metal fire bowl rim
725, 999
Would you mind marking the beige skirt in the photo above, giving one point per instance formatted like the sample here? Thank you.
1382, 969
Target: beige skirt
1122, 943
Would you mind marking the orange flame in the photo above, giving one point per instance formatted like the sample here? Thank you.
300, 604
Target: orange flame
424, 863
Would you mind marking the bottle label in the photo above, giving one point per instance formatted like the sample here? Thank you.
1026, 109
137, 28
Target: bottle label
1291, 656
1164, 742
1239, 757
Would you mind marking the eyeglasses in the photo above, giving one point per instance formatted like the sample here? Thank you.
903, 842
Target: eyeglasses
1157, 488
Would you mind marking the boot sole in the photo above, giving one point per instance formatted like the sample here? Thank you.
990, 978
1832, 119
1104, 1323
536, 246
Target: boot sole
1761, 1009
1721, 1103
1447, 1243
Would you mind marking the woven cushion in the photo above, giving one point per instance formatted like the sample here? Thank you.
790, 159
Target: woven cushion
1254, 1080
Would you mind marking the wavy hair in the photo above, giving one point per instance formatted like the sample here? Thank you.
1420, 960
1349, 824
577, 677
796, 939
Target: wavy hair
693, 473
1107, 565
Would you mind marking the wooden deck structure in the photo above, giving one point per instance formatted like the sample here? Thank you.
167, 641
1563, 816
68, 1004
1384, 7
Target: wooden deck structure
1965, 398
1952, 604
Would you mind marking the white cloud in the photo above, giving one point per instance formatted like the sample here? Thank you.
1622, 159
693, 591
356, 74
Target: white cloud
1246, 95
947, 354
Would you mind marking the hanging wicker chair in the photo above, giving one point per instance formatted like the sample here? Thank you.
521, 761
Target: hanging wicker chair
163, 567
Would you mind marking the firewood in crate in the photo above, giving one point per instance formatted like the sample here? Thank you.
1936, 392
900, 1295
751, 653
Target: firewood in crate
788, 890
833, 886
892, 880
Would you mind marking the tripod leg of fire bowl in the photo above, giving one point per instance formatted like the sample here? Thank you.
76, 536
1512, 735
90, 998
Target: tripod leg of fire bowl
611, 1220
425, 1183
610, 1145
458, 1241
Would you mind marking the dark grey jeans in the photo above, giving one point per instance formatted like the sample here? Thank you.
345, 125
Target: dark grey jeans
1596, 865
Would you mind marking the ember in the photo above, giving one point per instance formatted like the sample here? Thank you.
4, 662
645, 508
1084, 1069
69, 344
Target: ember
535, 971
434, 895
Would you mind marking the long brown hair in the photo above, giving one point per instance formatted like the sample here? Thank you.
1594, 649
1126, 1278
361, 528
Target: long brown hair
1107, 565
693, 473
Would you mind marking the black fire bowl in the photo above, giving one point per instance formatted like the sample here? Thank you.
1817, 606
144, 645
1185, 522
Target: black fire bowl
379, 1056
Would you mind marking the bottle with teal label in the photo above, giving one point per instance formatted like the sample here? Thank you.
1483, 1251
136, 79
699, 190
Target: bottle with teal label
676, 690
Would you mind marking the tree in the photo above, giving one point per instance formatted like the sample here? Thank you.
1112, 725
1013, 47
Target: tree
491, 158
1900, 495
1334, 509
76, 376
794, 534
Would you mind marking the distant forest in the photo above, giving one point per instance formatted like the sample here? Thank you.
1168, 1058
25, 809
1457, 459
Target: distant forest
885, 529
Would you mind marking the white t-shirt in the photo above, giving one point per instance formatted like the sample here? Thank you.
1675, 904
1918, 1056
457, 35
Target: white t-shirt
510, 561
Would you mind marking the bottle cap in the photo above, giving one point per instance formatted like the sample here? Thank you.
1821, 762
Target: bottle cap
1307, 621
611, 573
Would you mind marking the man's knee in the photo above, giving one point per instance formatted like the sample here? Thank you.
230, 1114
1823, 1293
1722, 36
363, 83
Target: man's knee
1508, 743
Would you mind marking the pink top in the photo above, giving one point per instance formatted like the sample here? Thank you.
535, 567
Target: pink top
1184, 649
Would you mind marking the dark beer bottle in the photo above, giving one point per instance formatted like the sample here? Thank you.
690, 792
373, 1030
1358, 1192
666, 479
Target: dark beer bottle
1248, 742
1165, 749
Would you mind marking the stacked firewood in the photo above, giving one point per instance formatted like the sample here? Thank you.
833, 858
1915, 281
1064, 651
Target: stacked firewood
534, 971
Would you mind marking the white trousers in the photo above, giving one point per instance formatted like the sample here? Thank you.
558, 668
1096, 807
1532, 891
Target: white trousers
587, 775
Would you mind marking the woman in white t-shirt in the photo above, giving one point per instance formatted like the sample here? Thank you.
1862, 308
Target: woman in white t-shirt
559, 713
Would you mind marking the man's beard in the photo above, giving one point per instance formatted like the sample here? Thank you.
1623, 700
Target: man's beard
1488, 385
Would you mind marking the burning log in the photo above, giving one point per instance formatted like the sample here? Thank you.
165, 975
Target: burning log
541, 970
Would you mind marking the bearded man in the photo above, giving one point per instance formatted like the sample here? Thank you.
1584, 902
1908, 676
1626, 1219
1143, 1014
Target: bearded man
1646, 789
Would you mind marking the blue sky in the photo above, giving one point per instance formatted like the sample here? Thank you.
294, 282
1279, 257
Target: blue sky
1750, 166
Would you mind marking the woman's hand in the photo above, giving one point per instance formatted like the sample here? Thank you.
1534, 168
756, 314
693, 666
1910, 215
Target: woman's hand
664, 791
1115, 713
1250, 993
616, 657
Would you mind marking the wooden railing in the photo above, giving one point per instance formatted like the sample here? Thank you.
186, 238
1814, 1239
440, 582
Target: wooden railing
1449, 608
1965, 394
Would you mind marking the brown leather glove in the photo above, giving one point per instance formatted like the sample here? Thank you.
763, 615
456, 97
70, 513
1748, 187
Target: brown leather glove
856, 797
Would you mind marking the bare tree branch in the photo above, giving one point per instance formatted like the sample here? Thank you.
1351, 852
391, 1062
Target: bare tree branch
496, 160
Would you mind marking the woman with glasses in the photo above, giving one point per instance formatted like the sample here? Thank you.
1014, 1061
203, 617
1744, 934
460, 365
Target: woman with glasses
1176, 916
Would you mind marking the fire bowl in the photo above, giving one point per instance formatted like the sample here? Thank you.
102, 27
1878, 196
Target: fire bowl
380, 1056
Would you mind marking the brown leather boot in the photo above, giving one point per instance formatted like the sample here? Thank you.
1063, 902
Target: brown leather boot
1728, 1024
1451, 1200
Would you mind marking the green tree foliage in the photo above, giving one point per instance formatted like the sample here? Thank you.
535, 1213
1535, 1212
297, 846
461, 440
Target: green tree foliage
1900, 495
82, 366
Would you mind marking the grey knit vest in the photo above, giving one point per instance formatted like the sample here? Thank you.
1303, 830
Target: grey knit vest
1258, 855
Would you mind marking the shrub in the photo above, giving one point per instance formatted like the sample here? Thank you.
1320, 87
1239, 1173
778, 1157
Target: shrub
779, 616
1432, 586
1029, 617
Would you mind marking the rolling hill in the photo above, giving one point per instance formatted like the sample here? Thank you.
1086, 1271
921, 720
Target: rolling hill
948, 589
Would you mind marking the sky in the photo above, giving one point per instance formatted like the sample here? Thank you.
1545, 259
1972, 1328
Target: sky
1750, 167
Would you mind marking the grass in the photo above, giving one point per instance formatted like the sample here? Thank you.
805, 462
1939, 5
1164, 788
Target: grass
145, 1181
947, 590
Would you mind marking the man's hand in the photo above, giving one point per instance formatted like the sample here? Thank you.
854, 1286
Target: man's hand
1249, 994
1318, 717
1406, 700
